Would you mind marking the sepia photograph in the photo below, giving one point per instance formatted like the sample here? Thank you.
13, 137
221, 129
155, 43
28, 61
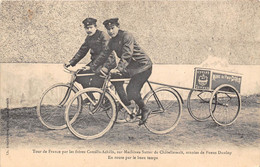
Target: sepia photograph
130, 83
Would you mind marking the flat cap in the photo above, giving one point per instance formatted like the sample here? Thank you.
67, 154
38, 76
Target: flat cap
89, 21
109, 22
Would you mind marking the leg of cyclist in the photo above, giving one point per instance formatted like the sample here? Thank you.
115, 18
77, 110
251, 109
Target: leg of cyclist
133, 91
119, 86
96, 81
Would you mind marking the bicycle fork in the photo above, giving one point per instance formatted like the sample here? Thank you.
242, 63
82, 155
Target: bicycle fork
67, 95
104, 89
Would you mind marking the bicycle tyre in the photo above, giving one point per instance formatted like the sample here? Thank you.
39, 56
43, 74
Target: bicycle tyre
228, 97
49, 110
91, 119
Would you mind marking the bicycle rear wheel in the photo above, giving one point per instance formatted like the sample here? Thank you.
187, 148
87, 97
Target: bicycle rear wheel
53, 102
198, 104
92, 122
228, 105
166, 107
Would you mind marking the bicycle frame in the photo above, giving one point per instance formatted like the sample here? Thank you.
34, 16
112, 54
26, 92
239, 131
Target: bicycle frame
106, 88
74, 75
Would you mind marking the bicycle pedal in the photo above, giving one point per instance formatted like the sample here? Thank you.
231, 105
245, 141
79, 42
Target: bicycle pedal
130, 118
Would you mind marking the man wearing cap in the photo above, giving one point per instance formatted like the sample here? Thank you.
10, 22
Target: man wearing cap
96, 41
133, 63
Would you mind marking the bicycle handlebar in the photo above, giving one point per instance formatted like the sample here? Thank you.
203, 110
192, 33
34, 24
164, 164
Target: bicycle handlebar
103, 74
66, 69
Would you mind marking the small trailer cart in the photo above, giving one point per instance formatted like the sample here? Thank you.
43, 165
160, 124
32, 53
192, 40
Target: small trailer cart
215, 94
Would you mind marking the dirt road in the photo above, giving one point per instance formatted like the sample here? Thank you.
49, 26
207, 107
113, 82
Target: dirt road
26, 131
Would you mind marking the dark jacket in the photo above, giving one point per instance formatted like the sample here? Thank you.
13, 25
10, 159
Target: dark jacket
133, 59
96, 44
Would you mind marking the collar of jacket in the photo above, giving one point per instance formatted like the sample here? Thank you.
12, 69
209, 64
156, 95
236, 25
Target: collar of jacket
120, 32
95, 34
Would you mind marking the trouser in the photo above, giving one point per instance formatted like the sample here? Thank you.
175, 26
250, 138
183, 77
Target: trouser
133, 89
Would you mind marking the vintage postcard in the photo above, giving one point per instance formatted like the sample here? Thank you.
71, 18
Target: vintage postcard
130, 83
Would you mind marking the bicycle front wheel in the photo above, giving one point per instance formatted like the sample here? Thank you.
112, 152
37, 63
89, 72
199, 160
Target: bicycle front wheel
93, 121
166, 107
53, 102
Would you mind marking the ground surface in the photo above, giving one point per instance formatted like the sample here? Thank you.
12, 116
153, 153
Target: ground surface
26, 131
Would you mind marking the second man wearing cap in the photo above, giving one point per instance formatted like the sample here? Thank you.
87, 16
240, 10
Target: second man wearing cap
133, 63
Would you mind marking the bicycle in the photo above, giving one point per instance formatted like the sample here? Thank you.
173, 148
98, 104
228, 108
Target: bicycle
52, 104
215, 94
94, 122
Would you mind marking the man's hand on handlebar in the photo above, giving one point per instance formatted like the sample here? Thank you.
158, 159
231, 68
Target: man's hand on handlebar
115, 72
86, 68
67, 64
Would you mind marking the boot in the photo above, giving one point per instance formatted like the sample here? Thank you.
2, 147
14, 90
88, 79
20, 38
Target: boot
144, 115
